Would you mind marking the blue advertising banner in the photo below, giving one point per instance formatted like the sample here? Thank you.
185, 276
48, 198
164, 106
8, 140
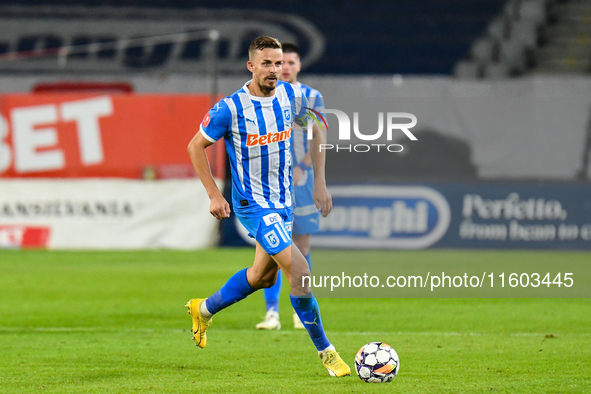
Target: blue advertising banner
527, 216
454, 215
397, 217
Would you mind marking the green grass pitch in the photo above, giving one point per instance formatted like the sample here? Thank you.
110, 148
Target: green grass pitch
115, 322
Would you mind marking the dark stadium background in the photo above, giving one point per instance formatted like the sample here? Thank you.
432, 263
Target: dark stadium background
105, 230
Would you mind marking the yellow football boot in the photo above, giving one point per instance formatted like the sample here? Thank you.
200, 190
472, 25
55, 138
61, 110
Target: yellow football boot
335, 364
200, 324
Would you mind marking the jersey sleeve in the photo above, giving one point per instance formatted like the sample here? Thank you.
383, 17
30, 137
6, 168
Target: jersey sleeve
216, 123
317, 101
300, 107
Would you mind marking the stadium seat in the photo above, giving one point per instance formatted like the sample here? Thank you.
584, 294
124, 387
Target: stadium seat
499, 28
525, 32
511, 9
534, 11
496, 71
512, 53
468, 69
484, 50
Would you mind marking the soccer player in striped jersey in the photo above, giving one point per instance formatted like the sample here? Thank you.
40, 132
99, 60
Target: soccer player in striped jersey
306, 218
256, 124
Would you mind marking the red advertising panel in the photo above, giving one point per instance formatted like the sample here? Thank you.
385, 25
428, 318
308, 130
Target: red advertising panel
88, 135
29, 237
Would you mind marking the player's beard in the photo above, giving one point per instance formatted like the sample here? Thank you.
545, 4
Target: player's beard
269, 86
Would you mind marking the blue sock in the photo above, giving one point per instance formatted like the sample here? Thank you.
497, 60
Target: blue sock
235, 289
309, 260
272, 294
307, 309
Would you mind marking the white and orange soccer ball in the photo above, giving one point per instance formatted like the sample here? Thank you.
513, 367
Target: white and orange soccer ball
377, 362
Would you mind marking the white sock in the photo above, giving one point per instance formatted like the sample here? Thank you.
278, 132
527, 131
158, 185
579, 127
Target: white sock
323, 351
204, 312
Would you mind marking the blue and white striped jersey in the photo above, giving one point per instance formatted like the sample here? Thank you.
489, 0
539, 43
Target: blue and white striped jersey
257, 132
300, 144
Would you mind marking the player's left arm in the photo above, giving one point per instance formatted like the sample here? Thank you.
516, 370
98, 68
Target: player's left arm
317, 102
298, 169
321, 195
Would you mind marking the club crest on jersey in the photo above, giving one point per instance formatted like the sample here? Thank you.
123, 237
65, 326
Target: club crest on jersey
205, 121
255, 139
287, 115
272, 239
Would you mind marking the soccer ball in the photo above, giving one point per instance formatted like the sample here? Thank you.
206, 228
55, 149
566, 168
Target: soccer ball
377, 362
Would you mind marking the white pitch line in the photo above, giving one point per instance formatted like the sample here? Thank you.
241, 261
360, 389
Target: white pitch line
282, 332
85, 329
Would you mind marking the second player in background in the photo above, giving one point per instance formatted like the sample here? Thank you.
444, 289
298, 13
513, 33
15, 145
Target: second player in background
306, 216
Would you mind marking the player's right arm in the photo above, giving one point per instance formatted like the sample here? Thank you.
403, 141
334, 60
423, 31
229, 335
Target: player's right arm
213, 127
218, 207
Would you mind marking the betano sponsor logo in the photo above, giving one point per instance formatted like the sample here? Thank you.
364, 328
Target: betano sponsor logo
262, 140
411, 217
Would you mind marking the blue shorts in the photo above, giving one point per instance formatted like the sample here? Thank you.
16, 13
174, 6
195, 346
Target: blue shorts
306, 216
271, 227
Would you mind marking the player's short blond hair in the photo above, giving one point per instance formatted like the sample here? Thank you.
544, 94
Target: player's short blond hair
262, 42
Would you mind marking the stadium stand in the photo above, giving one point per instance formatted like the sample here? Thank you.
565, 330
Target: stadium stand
532, 36
568, 49
369, 37
512, 40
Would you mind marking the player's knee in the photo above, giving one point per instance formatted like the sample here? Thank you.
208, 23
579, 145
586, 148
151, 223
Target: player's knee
303, 272
261, 284
301, 286
305, 249
302, 280
306, 272
265, 280
268, 282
